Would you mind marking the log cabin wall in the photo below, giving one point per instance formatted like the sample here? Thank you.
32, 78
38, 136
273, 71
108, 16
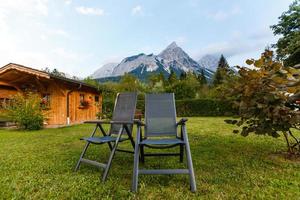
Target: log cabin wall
79, 113
57, 112
7, 92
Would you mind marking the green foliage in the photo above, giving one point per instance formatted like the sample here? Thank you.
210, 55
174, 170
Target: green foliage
223, 72
89, 80
186, 88
182, 90
201, 78
218, 77
129, 83
204, 107
288, 46
107, 109
156, 83
262, 95
172, 79
187, 107
183, 76
26, 111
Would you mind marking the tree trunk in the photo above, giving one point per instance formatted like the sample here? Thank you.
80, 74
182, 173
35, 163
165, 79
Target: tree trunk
287, 141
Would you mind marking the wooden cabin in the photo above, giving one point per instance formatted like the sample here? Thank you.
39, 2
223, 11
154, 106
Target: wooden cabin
64, 101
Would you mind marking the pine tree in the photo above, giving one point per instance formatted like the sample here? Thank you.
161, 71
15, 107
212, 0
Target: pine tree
172, 78
183, 75
223, 64
218, 78
201, 78
223, 71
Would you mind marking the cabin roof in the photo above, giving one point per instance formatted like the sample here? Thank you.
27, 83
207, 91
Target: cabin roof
40, 73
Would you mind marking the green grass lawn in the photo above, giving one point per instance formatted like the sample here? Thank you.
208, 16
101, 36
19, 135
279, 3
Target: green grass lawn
40, 165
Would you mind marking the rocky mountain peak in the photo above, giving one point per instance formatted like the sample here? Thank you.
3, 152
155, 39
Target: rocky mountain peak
173, 45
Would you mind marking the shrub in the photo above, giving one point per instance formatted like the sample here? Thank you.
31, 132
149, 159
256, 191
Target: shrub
262, 97
26, 111
107, 109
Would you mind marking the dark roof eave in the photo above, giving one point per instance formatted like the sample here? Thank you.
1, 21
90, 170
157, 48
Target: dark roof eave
74, 81
55, 77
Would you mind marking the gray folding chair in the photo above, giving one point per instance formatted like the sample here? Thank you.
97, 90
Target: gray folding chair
161, 132
121, 124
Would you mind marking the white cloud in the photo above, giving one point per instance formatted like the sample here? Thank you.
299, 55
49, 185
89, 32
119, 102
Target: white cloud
222, 15
239, 47
90, 11
43, 37
59, 32
65, 54
3, 23
28, 7
68, 2
229, 48
137, 10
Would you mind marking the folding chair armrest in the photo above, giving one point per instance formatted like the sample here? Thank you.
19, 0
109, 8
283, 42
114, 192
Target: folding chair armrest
182, 122
122, 122
96, 122
139, 122
108, 122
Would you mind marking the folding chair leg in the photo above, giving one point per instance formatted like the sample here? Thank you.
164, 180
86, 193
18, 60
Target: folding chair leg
190, 164
81, 156
135, 177
113, 151
181, 153
142, 154
134, 186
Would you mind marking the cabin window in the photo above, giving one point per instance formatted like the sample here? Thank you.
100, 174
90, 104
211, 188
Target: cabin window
97, 99
83, 103
45, 104
81, 98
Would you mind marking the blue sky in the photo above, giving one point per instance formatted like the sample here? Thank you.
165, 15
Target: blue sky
79, 36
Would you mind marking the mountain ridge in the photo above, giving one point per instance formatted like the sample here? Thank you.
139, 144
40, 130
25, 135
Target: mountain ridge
172, 58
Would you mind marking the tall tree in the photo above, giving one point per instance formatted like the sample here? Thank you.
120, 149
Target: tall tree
172, 79
129, 83
223, 64
223, 71
182, 75
201, 78
288, 46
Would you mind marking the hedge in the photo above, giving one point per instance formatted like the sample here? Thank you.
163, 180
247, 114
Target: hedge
188, 108
204, 107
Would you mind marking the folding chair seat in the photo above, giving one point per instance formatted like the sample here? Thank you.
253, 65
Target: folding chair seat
170, 141
120, 126
104, 139
160, 132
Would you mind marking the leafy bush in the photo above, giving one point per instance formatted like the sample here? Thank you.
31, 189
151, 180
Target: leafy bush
107, 109
187, 108
262, 97
26, 111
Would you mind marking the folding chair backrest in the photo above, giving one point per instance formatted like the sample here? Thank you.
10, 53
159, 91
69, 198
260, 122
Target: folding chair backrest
124, 110
160, 115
